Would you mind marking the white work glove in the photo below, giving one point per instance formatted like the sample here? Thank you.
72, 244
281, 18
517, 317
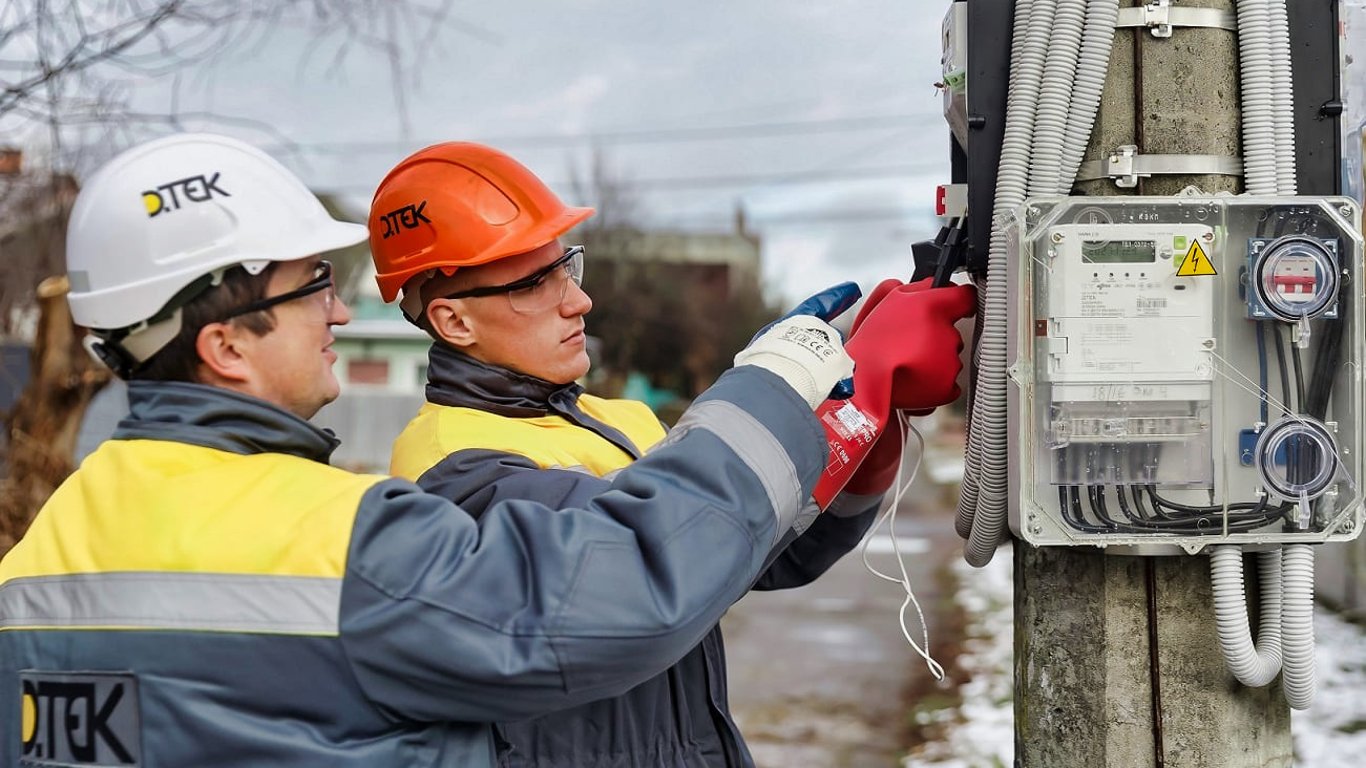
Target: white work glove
803, 351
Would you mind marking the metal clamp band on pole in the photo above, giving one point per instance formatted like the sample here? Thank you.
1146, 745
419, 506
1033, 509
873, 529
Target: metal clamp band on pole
1125, 166
1160, 17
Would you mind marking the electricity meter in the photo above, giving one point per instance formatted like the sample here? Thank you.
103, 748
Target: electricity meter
1185, 371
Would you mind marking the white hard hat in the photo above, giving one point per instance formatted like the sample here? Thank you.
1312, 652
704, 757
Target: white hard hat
163, 214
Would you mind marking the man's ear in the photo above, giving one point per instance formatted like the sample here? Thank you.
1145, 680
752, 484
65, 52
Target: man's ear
223, 357
451, 321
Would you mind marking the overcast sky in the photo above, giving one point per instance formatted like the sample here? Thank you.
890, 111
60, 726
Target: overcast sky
836, 200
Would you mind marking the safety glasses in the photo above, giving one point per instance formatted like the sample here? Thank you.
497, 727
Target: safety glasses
541, 290
320, 286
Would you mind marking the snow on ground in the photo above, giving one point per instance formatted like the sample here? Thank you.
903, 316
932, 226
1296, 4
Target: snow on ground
984, 736
1331, 734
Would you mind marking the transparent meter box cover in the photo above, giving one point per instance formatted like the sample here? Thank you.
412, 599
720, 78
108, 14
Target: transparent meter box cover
1186, 371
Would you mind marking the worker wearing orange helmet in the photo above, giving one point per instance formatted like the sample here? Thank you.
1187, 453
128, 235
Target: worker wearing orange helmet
472, 241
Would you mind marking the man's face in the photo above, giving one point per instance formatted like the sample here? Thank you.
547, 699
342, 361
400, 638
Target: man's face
547, 343
292, 364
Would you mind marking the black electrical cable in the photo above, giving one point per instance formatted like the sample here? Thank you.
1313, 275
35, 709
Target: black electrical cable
1285, 374
1177, 506
1262, 370
1134, 490
1298, 361
1096, 494
1327, 356
1189, 521
1124, 507
1242, 516
1069, 501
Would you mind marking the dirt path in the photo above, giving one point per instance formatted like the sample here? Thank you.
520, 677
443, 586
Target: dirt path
821, 677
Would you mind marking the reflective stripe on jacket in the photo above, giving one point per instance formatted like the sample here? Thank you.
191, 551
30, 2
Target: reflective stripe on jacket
488, 435
205, 590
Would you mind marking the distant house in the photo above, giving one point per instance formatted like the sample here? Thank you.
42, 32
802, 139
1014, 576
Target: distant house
379, 351
728, 262
382, 368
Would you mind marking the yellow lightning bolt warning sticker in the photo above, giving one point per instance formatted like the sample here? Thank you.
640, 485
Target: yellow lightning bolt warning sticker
1196, 263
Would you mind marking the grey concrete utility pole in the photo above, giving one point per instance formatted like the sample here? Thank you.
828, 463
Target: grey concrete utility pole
1117, 660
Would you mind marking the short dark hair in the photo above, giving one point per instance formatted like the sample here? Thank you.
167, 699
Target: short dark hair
179, 359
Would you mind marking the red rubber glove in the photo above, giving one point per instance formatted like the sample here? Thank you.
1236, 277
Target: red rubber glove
878, 469
906, 353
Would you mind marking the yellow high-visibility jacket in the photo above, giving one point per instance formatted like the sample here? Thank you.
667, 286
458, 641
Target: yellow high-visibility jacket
206, 590
489, 435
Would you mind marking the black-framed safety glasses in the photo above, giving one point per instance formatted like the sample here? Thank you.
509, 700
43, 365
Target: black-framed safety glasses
321, 283
540, 290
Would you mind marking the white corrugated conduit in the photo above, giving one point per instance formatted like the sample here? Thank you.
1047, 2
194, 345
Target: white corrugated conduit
983, 493
1297, 625
1060, 51
1269, 169
1253, 664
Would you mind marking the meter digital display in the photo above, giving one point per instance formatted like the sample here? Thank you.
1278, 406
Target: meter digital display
1118, 252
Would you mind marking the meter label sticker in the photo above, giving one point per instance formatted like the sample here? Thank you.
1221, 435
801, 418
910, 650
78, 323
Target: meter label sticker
1196, 263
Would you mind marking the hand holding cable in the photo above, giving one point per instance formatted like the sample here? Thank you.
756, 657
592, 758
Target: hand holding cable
906, 353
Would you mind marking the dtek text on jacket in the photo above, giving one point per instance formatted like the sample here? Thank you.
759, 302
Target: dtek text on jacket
206, 590
487, 435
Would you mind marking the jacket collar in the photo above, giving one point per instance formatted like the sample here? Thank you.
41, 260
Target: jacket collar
458, 380
213, 417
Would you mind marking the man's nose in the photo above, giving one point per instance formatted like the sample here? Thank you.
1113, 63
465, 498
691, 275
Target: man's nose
341, 314
576, 301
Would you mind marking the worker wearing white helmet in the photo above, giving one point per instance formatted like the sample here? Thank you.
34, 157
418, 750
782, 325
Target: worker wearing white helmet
207, 590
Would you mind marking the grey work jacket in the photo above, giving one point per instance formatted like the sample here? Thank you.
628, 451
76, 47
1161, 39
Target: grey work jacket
214, 650
680, 718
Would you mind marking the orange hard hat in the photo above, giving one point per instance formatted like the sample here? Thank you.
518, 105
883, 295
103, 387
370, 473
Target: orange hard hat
459, 204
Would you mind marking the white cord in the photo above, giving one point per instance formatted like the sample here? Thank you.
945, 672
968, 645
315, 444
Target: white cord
889, 516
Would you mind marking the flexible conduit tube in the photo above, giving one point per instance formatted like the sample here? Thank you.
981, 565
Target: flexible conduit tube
1071, 91
1096, 41
1297, 623
1254, 665
1032, 25
1055, 99
1283, 96
1258, 87
1298, 616
972, 455
1011, 172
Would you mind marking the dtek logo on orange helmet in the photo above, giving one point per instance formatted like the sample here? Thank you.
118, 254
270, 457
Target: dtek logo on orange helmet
406, 217
195, 189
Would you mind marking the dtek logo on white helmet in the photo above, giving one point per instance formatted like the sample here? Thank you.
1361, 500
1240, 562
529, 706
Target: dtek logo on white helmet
168, 197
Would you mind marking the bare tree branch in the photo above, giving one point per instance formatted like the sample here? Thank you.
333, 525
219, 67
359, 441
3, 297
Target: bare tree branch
101, 48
